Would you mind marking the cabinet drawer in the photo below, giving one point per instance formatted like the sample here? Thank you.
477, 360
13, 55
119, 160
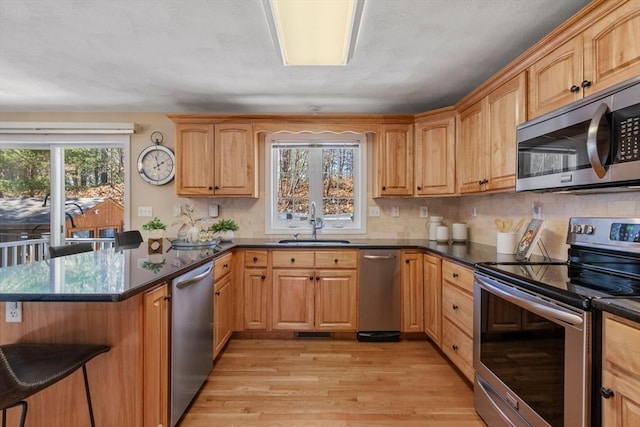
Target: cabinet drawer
255, 258
457, 306
290, 259
222, 266
621, 344
458, 275
458, 347
336, 259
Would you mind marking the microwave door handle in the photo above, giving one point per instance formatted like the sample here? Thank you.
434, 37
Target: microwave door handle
597, 150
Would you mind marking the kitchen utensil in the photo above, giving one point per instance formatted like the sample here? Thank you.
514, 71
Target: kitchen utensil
518, 225
503, 225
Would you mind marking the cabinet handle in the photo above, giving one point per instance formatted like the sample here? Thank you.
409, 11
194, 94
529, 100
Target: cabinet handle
454, 347
293, 260
574, 89
455, 275
167, 298
217, 293
454, 306
263, 277
606, 392
255, 259
585, 83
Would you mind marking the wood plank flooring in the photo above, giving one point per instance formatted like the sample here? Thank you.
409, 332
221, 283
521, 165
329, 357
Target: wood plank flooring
313, 382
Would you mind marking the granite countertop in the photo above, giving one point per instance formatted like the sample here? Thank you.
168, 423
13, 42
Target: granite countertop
624, 307
110, 275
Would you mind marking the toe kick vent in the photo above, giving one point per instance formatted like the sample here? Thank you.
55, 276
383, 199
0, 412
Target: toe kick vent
313, 335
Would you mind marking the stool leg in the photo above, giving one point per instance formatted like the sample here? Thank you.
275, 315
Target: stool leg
86, 388
23, 413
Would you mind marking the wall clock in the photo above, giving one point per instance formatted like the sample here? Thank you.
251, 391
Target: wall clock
157, 164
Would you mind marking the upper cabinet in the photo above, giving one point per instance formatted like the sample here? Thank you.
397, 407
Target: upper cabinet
393, 165
606, 53
434, 162
486, 144
216, 160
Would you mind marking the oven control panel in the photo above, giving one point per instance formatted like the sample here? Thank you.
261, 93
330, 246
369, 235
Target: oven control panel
621, 234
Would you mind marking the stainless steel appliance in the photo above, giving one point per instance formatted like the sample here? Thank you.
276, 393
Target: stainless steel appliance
191, 336
590, 144
536, 344
379, 295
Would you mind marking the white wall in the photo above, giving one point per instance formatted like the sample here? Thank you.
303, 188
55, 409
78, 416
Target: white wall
249, 213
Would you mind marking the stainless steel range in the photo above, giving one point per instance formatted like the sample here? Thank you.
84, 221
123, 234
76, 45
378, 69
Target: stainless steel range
536, 346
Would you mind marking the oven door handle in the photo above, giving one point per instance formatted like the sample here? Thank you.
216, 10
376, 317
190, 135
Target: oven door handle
597, 150
540, 309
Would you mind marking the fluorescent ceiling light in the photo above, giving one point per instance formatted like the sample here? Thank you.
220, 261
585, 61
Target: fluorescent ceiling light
68, 128
314, 32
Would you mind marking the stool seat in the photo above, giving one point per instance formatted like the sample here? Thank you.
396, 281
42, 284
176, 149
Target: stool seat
27, 368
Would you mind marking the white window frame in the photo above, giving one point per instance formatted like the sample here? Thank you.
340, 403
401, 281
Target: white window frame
56, 144
359, 225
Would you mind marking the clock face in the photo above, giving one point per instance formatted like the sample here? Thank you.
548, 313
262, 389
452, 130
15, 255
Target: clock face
157, 165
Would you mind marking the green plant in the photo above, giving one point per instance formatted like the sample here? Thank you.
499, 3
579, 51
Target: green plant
154, 266
154, 224
224, 225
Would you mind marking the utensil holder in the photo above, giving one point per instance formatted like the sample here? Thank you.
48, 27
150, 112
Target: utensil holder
506, 243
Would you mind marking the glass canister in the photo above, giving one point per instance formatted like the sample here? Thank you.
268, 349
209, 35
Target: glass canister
434, 222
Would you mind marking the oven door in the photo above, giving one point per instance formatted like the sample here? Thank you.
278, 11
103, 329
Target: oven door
531, 357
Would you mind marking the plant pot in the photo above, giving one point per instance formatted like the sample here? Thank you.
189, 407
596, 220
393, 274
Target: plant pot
226, 236
157, 234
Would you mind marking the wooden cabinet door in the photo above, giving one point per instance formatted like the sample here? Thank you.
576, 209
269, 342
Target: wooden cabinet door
553, 76
156, 357
194, 160
412, 293
435, 157
470, 150
335, 300
235, 161
612, 48
505, 109
622, 408
222, 313
293, 299
257, 300
395, 161
433, 298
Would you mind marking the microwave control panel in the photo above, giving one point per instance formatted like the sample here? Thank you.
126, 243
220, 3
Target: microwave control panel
629, 138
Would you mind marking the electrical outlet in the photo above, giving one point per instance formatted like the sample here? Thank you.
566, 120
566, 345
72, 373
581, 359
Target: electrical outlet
395, 211
424, 212
146, 211
13, 311
374, 211
213, 211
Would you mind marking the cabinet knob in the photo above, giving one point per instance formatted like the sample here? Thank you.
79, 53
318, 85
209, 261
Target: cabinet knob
454, 306
335, 260
216, 187
419, 188
384, 188
167, 298
263, 277
454, 347
574, 89
455, 275
210, 188
585, 83
406, 261
255, 259
225, 265
310, 277
317, 277
606, 392
217, 293
293, 260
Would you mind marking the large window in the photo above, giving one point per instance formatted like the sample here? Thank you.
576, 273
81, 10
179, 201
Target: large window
62, 186
321, 170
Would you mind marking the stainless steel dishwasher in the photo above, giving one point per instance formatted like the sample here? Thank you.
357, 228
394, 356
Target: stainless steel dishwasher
191, 336
379, 295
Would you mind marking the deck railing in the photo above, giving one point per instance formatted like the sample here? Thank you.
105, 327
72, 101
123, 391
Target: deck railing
24, 251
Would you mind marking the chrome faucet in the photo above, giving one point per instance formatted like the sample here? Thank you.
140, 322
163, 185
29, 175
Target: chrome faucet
312, 220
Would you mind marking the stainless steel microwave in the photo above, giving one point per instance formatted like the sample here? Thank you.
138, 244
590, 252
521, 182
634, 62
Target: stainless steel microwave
591, 144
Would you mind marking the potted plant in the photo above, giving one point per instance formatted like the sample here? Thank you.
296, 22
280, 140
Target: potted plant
225, 229
155, 227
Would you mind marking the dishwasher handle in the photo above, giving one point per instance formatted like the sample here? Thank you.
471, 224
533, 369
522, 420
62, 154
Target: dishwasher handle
194, 279
377, 257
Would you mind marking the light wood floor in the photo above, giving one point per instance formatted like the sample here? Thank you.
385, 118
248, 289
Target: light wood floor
313, 382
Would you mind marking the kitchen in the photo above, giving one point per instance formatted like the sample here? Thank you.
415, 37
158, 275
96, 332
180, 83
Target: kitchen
477, 210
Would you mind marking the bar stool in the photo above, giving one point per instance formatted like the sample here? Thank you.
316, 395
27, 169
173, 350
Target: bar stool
27, 368
64, 250
128, 239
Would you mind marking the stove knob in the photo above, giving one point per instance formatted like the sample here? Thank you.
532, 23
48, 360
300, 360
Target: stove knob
577, 228
589, 229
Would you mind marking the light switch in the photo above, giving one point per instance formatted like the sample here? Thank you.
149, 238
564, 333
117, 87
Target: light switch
395, 211
146, 211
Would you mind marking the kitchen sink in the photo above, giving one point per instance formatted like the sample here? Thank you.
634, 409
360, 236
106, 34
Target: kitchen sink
314, 242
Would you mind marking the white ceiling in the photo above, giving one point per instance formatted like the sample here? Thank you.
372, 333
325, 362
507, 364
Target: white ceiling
217, 56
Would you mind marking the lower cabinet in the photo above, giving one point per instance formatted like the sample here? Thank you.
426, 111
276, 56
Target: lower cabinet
457, 316
432, 273
156, 356
314, 290
256, 290
412, 292
223, 313
620, 392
